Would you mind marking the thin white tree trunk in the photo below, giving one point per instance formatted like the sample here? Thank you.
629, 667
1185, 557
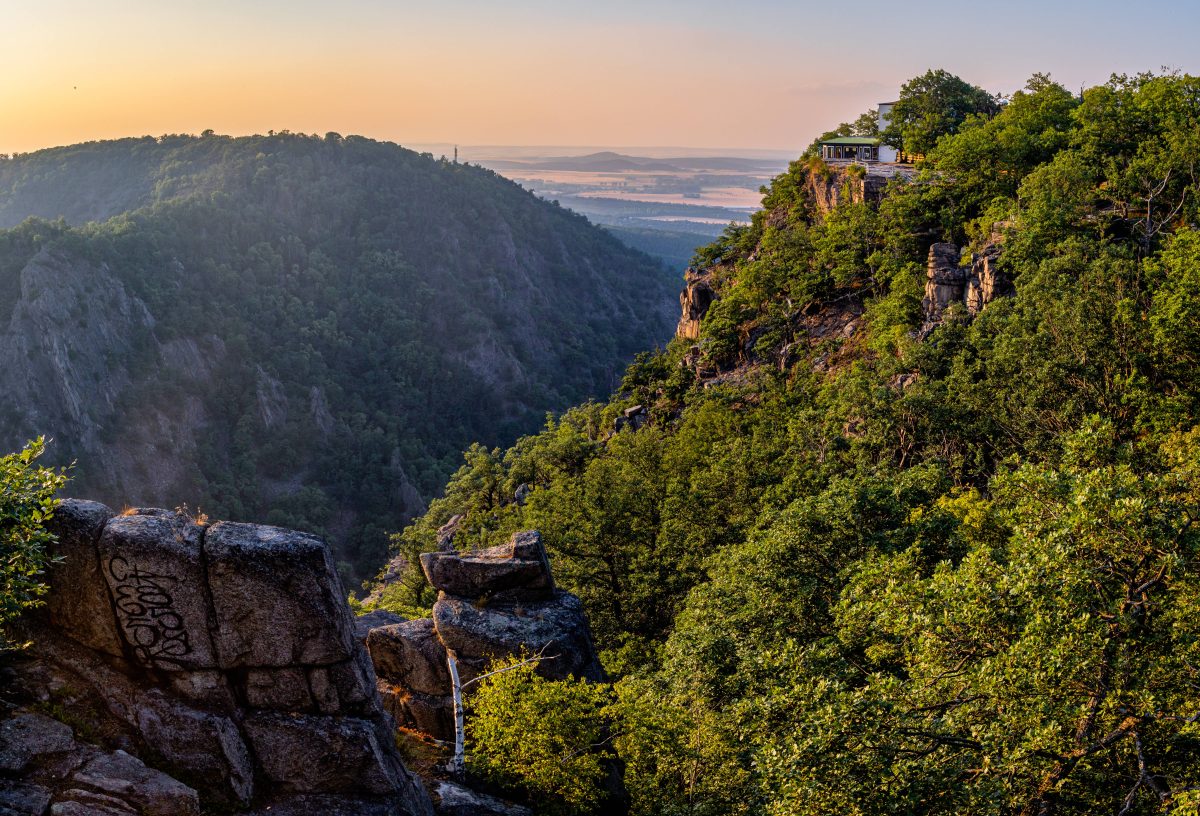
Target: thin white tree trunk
458, 763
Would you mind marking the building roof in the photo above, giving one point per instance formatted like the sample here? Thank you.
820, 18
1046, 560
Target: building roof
851, 140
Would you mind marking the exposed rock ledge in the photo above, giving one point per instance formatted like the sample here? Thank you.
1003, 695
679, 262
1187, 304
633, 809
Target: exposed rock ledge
216, 665
218, 669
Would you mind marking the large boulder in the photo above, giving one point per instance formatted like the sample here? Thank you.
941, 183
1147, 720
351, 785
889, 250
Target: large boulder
518, 568
410, 654
556, 628
277, 598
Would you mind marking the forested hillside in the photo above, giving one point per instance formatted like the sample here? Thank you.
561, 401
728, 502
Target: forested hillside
873, 544
300, 330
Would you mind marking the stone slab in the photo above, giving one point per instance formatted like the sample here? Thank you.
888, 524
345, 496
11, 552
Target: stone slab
22, 798
277, 598
78, 601
125, 777
518, 566
29, 735
155, 573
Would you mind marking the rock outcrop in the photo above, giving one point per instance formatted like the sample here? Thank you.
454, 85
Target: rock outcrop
57, 774
832, 185
986, 282
946, 281
492, 603
634, 418
223, 655
949, 281
694, 300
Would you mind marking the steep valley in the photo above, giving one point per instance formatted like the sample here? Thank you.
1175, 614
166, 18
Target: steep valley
301, 330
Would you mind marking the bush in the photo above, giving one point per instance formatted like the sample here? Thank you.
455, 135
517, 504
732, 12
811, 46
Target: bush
544, 738
26, 502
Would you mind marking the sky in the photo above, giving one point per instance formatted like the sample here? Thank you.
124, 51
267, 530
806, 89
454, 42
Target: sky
738, 75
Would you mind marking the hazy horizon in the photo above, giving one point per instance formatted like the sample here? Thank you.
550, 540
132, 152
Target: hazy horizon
472, 153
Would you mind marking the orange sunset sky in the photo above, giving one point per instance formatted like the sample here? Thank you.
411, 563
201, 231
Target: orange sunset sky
754, 74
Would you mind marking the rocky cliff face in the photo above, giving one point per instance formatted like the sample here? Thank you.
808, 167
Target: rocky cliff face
834, 184
972, 285
694, 301
824, 188
949, 281
74, 346
221, 655
57, 373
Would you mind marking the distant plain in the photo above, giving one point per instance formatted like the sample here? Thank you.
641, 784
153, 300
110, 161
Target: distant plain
665, 201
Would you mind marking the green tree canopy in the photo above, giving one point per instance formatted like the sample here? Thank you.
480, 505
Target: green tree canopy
853, 567
931, 106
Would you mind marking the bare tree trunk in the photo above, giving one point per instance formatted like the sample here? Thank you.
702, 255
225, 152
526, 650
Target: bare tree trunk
458, 763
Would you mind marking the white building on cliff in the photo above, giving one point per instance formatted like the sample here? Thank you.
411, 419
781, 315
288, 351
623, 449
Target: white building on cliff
862, 149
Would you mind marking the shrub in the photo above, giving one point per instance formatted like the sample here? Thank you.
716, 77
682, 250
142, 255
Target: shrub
545, 738
26, 502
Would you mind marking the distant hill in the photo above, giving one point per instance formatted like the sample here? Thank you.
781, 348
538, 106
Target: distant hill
603, 162
296, 329
608, 161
